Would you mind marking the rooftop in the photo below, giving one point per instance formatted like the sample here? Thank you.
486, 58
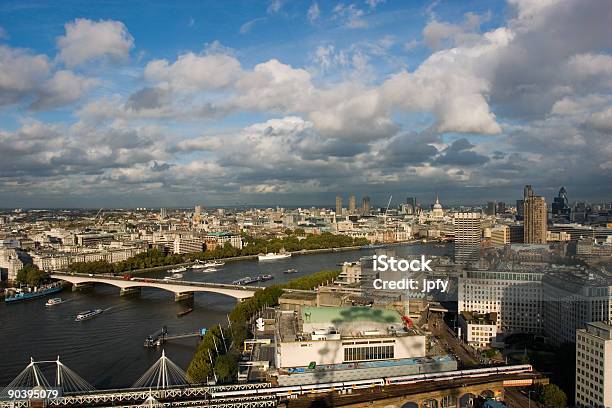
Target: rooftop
337, 315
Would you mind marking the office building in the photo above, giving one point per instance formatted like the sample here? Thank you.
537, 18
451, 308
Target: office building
411, 205
338, 205
197, 214
520, 210
467, 237
514, 296
517, 233
335, 335
478, 330
366, 206
571, 300
535, 218
594, 365
501, 208
500, 235
162, 213
561, 211
186, 245
491, 208
352, 204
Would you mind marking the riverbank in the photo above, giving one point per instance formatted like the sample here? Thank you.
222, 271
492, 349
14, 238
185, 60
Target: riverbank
252, 257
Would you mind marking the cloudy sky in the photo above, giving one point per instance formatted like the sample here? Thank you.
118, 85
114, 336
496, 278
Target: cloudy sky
150, 103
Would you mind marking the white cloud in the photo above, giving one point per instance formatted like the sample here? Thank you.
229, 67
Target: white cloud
246, 27
193, 72
20, 74
349, 15
63, 88
275, 6
86, 40
313, 12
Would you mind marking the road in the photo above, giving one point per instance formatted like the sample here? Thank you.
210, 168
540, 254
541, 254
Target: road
449, 340
514, 398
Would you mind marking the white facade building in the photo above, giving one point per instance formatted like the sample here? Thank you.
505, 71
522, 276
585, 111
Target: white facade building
515, 297
478, 330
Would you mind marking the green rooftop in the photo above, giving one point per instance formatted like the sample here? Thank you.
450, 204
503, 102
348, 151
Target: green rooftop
338, 315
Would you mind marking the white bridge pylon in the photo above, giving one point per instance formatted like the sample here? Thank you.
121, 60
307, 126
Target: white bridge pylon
33, 377
163, 374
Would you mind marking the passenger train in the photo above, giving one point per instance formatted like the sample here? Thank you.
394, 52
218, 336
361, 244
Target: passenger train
376, 382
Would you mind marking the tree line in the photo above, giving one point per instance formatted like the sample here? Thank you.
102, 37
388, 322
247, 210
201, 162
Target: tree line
209, 356
252, 246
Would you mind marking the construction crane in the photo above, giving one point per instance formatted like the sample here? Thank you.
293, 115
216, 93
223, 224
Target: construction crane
99, 214
387, 209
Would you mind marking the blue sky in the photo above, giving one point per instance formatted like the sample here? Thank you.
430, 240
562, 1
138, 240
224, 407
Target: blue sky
171, 103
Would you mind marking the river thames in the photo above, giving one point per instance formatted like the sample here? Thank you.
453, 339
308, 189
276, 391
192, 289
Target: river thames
108, 351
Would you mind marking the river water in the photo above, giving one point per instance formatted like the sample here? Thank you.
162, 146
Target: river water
108, 351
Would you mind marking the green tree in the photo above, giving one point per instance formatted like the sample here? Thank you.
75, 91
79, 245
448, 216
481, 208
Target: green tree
226, 368
30, 275
552, 396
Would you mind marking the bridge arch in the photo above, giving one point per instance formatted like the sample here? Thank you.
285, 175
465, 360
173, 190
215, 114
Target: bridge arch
487, 394
467, 400
430, 403
410, 404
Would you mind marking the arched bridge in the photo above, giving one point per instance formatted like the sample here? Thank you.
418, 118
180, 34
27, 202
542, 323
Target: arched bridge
179, 288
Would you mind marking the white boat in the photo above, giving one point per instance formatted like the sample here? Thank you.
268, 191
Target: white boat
210, 270
178, 270
214, 264
271, 256
54, 301
176, 276
197, 266
87, 315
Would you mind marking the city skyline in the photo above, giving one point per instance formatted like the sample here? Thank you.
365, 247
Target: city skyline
278, 102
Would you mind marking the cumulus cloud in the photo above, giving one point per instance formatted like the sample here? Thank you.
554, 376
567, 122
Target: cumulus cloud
63, 88
86, 40
191, 72
21, 73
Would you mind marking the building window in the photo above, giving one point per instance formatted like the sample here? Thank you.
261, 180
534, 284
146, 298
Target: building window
368, 353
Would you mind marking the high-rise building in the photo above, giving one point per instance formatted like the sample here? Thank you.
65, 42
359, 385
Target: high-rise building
338, 205
520, 210
366, 205
352, 204
162, 213
410, 205
571, 300
561, 210
594, 365
501, 207
515, 297
468, 231
491, 207
535, 224
197, 214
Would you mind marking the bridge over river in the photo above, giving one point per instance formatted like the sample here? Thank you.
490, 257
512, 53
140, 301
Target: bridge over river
181, 289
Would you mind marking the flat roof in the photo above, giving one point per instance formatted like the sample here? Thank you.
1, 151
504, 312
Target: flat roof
349, 314
381, 363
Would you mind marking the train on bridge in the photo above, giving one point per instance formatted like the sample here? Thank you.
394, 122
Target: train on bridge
376, 382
